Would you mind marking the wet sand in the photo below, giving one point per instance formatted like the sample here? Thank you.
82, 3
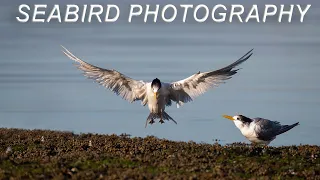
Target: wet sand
44, 154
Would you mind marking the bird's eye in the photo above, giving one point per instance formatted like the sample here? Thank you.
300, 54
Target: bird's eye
238, 118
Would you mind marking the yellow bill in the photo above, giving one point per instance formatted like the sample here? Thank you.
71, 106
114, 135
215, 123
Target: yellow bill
155, 94
228, 117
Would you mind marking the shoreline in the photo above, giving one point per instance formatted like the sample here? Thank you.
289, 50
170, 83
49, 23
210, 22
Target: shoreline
43, 154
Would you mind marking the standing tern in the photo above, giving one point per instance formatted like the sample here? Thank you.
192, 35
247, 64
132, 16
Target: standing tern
259, 130
157, 94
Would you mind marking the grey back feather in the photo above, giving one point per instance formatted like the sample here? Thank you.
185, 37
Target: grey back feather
267, 130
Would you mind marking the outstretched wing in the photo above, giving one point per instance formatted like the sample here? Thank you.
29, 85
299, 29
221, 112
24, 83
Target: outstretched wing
185, 90
129, 89
267, 129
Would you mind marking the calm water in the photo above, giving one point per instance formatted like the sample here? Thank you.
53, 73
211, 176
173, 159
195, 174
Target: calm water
40, 88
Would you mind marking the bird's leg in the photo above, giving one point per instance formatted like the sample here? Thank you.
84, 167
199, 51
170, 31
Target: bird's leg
151, 121
161, 120
253, 145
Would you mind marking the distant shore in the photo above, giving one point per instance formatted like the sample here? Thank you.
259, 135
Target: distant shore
43, 154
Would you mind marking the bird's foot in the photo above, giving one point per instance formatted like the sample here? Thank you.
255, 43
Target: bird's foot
151, 121
161, 121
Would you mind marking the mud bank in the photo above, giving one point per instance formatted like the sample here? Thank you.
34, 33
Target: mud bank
43, 154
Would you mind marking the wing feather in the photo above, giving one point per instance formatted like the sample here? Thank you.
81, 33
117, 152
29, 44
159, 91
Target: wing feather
266, 129
129, 89
187, 89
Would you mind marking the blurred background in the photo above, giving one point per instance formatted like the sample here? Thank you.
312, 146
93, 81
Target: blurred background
41, 89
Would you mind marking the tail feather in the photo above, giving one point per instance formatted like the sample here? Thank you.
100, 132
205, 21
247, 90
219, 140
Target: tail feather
167, 117
153, 116
286, 128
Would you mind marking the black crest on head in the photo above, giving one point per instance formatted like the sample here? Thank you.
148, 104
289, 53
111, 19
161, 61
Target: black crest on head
245, 119
156, 83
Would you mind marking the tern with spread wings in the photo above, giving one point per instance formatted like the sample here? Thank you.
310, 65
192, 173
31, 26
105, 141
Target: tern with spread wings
156, 94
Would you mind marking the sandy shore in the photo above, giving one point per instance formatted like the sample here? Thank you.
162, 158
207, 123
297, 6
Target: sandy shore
42, 154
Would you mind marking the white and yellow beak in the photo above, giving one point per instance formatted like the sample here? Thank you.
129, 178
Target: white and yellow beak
228, 117
156, 94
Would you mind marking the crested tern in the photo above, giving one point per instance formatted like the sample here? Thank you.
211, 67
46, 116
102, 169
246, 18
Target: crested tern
156, 94
259, 130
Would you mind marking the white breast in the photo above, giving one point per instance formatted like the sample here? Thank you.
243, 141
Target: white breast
249, 132
246, 130
157, 104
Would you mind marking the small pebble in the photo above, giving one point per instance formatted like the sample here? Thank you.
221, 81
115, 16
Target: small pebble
9, 150
73, 169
